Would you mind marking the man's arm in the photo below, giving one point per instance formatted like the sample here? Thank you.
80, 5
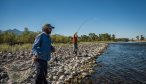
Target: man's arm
36, 45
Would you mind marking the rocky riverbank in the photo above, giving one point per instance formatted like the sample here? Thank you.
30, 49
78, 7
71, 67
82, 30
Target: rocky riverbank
64, 67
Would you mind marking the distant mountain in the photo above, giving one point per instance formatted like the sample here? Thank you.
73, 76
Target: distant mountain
16, 31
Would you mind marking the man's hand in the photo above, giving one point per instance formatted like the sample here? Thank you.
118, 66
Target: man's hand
34, 58
52, 49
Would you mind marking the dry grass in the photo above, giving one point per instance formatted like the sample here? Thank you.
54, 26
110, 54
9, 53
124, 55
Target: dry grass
8, 48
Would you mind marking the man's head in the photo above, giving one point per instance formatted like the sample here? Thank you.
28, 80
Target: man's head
76, 34
47, 28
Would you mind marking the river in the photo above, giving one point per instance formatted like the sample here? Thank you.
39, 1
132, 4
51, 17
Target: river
121, 63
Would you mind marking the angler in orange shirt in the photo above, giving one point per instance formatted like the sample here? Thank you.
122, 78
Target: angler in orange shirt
75, 42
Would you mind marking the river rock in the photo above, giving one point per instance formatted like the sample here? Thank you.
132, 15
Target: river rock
64, 65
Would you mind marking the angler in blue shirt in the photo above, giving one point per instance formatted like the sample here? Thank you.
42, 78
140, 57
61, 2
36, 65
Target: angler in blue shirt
41, 50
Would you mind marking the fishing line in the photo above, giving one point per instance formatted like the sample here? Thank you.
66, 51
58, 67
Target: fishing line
84, 22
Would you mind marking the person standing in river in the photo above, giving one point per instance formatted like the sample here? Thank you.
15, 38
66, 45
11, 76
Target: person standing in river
41, 50
75, 43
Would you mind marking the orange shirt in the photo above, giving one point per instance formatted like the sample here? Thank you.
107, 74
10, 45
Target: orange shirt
75, 39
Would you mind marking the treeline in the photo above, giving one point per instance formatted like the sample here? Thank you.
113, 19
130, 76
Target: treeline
29, 37
141, 37
12, 38
95, 37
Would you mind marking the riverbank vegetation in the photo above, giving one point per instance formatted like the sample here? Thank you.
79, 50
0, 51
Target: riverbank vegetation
28, 37
10, 41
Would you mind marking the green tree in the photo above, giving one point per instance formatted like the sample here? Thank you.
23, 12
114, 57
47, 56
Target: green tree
137, 37
84, 38
28, 36
105, 37
7, 37
113, 37
141, 37
92, 36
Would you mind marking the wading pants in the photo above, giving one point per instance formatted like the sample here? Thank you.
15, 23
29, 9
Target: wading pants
41, 72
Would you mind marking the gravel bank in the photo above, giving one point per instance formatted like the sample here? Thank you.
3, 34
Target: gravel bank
64, 67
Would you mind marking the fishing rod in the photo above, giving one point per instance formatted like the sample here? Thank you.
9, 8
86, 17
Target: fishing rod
83, 23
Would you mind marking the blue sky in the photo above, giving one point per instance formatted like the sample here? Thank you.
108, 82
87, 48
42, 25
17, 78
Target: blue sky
124, 18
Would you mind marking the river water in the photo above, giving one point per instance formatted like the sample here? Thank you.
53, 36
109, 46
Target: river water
121, 63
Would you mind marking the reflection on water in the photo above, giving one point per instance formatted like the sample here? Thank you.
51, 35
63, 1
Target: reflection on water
122, 63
